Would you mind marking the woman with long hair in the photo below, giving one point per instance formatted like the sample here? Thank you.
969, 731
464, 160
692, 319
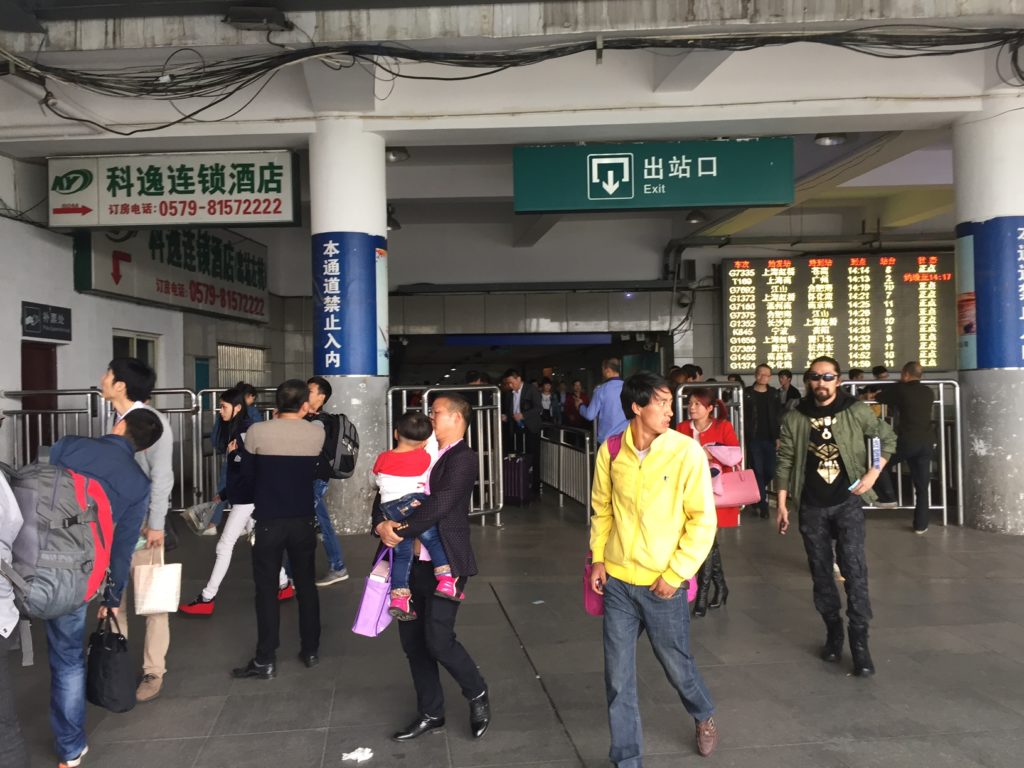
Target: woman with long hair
710, 430
235, 421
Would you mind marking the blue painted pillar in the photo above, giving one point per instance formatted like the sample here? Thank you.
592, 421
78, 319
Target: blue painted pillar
989, 168
348, 221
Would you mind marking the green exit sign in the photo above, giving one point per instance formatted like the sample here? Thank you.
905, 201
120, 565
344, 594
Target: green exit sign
675, 174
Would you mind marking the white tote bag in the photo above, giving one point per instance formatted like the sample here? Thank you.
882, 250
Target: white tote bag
157, 587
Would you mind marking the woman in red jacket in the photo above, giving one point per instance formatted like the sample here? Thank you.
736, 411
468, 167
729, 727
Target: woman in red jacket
704, 427
571, 409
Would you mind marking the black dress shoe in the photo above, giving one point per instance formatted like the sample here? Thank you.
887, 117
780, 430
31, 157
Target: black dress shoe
309, 659
479, 714
418, 727
253, 669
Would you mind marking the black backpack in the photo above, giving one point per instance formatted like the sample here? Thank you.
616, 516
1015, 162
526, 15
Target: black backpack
341, 445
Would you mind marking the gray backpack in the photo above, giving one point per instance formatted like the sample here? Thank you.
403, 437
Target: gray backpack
62, 553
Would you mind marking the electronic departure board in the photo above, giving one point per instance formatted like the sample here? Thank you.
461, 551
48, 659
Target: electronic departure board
862, 310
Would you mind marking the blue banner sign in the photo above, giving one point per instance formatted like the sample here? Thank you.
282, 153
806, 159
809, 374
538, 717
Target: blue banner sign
350, 312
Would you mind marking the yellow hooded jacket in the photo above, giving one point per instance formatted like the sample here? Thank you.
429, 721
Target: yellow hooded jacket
656, 518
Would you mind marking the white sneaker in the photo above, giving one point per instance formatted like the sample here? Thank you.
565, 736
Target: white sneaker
75, 761
211, 530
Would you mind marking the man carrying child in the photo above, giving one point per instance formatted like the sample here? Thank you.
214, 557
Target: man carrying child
401, 475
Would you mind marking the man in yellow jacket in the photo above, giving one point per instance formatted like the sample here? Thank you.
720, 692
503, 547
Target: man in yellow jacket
654, 523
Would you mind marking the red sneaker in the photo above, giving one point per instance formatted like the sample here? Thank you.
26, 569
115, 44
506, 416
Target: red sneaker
286, 593
400, 608
198, 607
448, 588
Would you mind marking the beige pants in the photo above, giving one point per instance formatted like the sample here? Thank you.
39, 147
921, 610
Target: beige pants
158, 629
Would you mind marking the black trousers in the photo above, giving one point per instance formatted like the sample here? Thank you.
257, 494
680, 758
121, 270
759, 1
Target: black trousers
845, 524
429, 641
12, 744
918, 457
297, 537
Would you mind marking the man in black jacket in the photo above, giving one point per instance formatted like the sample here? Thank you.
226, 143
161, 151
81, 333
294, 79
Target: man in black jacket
430, 639
762, 417
520, 410
913, 402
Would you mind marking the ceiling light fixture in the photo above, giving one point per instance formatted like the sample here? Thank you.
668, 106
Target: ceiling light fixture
393, 223
397, 154
696, 216
830, 139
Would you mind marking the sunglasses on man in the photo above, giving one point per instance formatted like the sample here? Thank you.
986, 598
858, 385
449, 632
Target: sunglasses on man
822, 376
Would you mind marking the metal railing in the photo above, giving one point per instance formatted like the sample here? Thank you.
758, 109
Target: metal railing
483, 436
92, 416
567, 462
729, 392
948, 469
205, 457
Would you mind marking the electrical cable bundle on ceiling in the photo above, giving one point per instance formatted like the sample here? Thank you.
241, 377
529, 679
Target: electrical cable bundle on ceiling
194, 77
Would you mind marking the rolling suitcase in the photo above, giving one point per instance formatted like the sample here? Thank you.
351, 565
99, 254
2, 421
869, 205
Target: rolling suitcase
517, 469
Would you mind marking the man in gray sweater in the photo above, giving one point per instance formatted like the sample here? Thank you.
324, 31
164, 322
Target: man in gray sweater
127, 385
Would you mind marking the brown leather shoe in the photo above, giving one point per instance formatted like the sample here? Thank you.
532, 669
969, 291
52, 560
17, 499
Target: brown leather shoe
707, 736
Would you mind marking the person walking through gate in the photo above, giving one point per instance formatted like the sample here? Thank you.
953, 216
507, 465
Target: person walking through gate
915, 442
643, 555
127, 386
825, 474
429, 640
761, 414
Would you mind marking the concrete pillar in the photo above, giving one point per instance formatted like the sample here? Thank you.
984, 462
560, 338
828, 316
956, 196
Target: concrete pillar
348, 220
989, 166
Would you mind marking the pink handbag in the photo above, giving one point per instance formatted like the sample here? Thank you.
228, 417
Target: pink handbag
593, 603
373, 617
734, 489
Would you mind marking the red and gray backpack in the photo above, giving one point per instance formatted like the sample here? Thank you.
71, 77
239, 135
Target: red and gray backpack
62, 553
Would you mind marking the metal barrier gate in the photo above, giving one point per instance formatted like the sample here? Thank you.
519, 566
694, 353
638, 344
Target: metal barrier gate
729, 392
946, 419
483, 436
567, 462
92, 416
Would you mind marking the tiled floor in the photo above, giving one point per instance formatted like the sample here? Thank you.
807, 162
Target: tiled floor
947, 640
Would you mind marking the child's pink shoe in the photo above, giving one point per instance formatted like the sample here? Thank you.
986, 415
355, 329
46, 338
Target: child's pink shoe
447, 587
400, 608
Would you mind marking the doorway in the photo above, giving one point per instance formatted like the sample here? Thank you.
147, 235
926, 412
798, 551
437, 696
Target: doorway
38, 373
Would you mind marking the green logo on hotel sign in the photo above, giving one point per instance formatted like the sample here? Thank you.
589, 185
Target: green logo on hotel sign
71, 182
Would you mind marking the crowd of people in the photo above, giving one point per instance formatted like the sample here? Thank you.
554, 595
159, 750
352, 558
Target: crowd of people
654, 526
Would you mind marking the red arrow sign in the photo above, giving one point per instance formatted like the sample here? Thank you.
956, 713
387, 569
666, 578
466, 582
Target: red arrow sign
80, 209
116, 258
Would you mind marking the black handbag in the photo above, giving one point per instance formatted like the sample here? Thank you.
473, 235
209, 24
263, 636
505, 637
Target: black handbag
110, 676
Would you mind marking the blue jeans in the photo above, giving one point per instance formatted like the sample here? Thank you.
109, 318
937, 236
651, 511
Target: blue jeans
761, 457
331, 545
398, 510
628, 611
66, 637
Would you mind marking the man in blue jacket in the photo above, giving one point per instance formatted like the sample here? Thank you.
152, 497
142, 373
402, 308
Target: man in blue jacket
606, 405
110, 460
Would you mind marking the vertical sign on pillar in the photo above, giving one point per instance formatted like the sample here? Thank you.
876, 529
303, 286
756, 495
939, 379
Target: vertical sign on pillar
999, 291
350, 333
966, 314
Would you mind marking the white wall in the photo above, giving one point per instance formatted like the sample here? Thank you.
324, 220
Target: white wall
38, 266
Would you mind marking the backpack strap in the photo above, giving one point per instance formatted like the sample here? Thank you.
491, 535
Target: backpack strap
614, 446
7, 571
